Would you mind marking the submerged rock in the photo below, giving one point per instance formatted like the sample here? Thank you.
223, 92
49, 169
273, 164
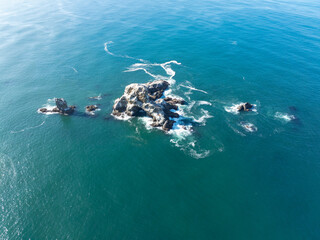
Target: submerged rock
245, 107
145, 99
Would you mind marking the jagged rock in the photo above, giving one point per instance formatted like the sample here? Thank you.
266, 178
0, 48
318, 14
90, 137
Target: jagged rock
175, 101
61, 107
168, 125
61, 104
245, 107
145, 99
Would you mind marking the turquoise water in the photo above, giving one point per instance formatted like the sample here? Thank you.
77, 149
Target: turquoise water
95, 177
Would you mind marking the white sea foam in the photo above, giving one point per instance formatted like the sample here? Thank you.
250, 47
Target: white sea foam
97, 97
203, 118
68, 13
180, 130
193, 88
234, 108
123, 117
284, 116
249, 127
198, 155
116, 55
204, 103
166, 66
28, 128
50, 105
93, 112
75, 70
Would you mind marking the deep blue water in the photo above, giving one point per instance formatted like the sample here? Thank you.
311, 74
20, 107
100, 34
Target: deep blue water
95, 177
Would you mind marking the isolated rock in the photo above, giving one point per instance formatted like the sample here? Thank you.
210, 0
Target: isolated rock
145, 99
245, 107
91, 108
61, 107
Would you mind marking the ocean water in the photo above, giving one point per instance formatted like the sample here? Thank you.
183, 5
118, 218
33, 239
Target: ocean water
252, 175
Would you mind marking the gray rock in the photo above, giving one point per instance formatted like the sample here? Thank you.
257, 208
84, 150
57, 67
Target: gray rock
91, 108
245, 107
61, 104
145, 99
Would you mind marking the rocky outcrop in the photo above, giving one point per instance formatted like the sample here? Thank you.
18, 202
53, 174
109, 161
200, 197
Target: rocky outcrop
245, 107
145, 99
91, 108
61, 107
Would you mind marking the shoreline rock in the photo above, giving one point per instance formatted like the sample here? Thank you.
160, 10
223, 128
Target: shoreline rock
145, 99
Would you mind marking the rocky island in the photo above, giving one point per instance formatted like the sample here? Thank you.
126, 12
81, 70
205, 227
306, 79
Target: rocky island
147, 100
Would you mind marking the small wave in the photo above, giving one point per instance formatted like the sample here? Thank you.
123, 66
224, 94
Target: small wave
204, 103
284, 116
92, 113
106, 48
203, 118
28, 128
75, 70
97, 97
122, 56
249, 127
193, 88
166, 66
198, 155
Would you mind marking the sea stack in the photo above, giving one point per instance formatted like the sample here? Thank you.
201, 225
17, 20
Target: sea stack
245, 107
145, 100
61, 107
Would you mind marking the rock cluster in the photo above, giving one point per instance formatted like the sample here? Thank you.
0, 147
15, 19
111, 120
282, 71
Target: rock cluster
61, 107
245, 107
145, 99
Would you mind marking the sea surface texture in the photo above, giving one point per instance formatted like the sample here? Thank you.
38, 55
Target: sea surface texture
226, 175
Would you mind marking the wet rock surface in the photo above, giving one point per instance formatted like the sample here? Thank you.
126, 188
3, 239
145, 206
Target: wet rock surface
91, 108
245, 107
145, 99
61, 107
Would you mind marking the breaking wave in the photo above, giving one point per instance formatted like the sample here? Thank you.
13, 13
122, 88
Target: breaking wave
284, 116
249, 127
50, 105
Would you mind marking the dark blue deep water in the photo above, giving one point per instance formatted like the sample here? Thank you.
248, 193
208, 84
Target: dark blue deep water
252, 175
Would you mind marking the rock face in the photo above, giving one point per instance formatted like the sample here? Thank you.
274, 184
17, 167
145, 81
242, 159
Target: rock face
61, 107
145, 99
245, 107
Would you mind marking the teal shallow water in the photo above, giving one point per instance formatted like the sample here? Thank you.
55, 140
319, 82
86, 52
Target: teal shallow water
80, 177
